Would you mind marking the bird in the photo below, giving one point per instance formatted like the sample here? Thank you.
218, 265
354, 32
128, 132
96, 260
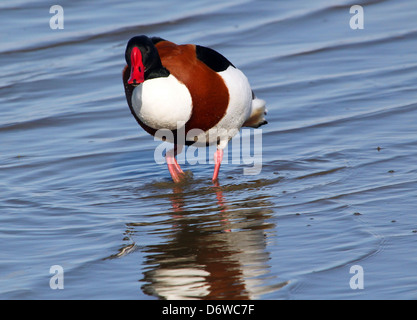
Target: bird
189, 90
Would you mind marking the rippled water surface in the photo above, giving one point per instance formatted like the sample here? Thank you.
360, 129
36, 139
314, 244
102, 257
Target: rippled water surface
79, 186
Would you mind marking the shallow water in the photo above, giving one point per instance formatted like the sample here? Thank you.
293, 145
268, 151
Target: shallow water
79, 186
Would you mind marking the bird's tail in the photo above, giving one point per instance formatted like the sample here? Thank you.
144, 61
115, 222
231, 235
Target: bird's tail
257, 115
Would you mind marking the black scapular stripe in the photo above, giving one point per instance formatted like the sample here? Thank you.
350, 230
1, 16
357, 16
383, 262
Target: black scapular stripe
212, 58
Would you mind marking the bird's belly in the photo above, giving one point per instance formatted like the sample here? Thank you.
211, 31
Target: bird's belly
162, 103
238, 109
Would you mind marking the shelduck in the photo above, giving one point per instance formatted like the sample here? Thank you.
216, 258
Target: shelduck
168, 84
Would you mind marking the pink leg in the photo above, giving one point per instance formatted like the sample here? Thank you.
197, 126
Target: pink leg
218, 157
173, 166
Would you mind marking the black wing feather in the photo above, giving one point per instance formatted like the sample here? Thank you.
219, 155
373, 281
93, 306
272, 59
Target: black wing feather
212, 59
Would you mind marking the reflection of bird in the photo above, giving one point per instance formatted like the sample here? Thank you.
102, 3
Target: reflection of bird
189, 89
201, 257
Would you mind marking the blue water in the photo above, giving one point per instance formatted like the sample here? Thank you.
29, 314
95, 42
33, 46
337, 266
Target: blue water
79, 186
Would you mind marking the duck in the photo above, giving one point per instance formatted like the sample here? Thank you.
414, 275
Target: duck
190, 91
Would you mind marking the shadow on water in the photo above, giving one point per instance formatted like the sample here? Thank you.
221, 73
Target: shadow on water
208, 247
